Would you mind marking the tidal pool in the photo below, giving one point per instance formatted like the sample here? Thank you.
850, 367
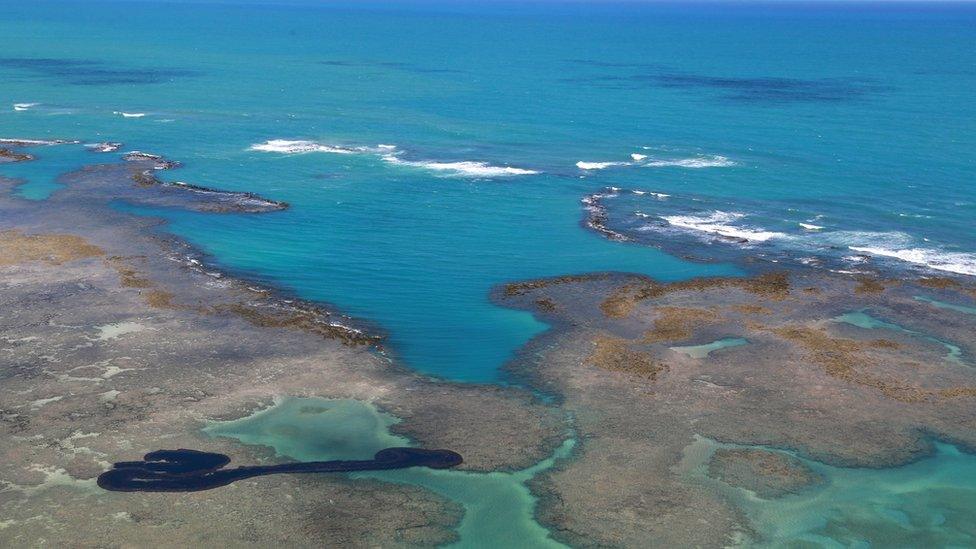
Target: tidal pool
499, 509
927, 503
702, 351
944, 305
868, 322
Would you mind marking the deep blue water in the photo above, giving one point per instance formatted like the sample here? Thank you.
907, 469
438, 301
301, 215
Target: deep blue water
857, 118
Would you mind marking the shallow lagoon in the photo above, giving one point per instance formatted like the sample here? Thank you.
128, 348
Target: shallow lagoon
498, 506
868, 322
927, 503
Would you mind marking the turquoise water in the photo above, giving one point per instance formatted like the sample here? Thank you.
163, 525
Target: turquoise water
944, 305
868, 322
702, 351
857, 118
39, 177
927, 503
498, 507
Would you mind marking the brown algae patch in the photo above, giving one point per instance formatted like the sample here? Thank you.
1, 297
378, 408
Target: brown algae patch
868, 285
545, 304
128, 276
298, 319
616, 355
622, 301
56, 249
840, 356
160, 299
768, 474
677, 323
944, 283
750, 309
521, 288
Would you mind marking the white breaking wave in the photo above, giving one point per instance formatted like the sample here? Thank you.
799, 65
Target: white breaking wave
701, 161
711, 161
286, 146
720, 223
598, 165
129, 114
24, 106
33, 142
390, 154
466, 168
951, 262
810, 226
660, 196
105, 147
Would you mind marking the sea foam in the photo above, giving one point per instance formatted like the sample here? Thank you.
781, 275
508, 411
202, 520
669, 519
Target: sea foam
15, 142
710, 161
720, 223
598, 165
464, 168
951, 262
286, 146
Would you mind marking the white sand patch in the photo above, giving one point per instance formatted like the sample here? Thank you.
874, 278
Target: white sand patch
112, 331
37, 404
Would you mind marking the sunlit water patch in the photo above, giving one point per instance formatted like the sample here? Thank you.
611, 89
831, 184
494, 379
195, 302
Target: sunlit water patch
498, 506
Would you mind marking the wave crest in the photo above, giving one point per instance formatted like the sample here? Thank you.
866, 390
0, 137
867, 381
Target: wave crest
464, 168
720, 223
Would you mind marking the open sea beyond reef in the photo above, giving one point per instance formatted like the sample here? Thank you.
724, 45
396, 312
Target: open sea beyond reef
430, 152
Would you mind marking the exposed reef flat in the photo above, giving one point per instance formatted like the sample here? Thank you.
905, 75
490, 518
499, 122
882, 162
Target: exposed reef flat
838, 394
116, 341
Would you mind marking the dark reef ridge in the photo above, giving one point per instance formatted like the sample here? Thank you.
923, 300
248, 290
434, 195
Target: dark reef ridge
204, 198
192, 470
91, 72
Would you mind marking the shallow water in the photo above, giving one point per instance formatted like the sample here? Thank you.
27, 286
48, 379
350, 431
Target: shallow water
39, 178
702, 351
498, 506
928, 503
950, 306
868, 322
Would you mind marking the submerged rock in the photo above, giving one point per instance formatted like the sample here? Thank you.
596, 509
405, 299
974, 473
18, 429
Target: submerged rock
769, 474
